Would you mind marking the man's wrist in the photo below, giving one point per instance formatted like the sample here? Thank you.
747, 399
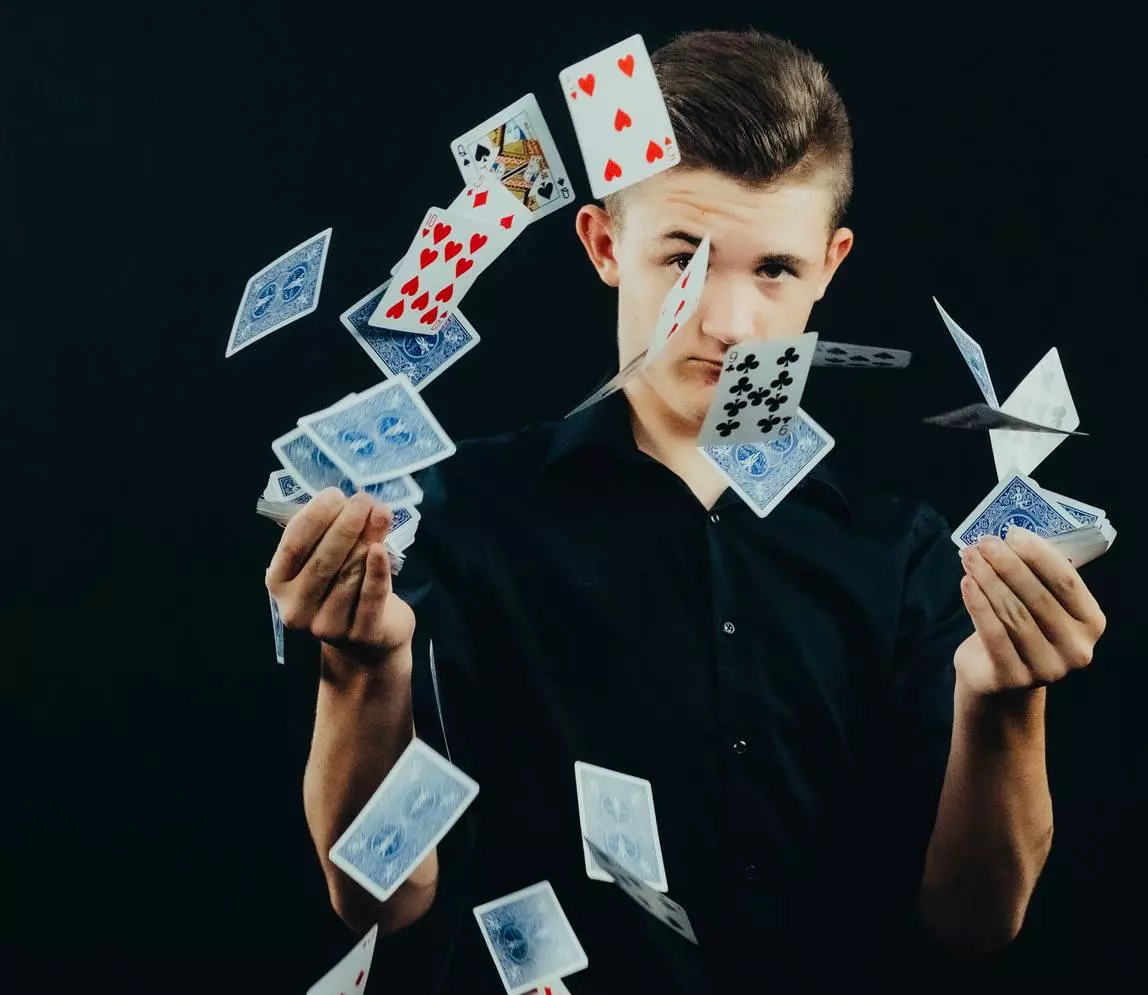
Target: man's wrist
364, 672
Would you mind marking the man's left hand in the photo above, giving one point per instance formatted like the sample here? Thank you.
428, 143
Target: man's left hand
1035, 619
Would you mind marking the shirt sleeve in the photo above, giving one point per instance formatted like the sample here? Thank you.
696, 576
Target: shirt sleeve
916, 721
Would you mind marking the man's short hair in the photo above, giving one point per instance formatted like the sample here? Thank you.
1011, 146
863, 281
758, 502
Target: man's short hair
755, 108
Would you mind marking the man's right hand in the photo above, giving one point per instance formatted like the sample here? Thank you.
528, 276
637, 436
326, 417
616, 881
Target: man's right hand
331, 576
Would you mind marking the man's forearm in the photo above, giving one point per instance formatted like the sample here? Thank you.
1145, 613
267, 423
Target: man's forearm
363, 722
994, 823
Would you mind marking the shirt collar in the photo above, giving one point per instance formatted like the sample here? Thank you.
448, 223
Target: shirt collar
605, 427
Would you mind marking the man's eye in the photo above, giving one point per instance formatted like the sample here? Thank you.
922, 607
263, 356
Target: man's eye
775, 271
682, 260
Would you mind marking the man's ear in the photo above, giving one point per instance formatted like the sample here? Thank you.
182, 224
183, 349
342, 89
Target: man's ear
599, 238
840, 242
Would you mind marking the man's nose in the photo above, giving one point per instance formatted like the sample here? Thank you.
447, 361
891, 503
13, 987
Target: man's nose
730, 312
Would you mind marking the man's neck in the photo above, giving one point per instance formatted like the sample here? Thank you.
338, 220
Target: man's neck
664, 435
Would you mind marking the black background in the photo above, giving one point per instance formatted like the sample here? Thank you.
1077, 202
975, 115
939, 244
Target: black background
153, 161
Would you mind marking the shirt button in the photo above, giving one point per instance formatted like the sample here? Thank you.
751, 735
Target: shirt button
750, 872
740, 747
727, 628
715, 517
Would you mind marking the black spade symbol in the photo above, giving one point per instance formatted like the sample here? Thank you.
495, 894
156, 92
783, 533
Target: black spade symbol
883, 355
546, 189
466, 162
481, 152
561, 181
836, 351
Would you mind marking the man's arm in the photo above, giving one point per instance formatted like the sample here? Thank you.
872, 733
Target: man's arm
363, 722
993, 831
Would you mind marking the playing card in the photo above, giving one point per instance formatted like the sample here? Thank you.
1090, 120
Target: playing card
973, 354
420, 358
488, 201
382, 433
349, 976
448, 252
681, 301
981, 416
1086, 543
763, 474
276, 627
616, 811
758, 391
404, 525
616, 382
308, 464
515, 148
661, 907
619, 116
861, 357
1086, 514
399, 490
1041, 397
551, 988
281, 512
1016, 500
417, 803
530, 938
280, 292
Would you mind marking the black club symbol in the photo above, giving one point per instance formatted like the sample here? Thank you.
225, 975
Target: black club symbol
773, 403
733, 407
783, 380
749, 363
726, 427
758, 395
766, 424
787, 357
743, 385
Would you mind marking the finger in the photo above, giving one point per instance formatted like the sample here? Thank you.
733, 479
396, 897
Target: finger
315, 578
1014, 674
333, 620
376, 589
302, 535
1028, 641
1059, 576
1053, 619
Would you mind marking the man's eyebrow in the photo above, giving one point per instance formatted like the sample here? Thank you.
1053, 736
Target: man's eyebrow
769, 259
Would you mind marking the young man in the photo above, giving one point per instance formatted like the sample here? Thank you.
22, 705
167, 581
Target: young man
842, 731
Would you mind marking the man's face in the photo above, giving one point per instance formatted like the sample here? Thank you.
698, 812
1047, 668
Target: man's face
771, 257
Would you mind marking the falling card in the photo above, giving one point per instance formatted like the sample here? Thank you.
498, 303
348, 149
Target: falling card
619, 116
973, 354
489, 202
448, 252
681, 302
280, 293
1042, 397
349, 976
515, 148
860, 357
983, 416
759, 390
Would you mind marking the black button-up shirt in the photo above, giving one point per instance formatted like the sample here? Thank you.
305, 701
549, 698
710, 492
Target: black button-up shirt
785, 683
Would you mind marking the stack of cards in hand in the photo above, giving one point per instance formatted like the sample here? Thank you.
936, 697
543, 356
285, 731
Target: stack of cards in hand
1036, 418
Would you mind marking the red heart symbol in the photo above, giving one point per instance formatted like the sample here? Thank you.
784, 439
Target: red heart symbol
480, 198
654, 151
573, 94
462, 266
681, 304
440, 232
445, 294
613, 170
685, 280
668, 141
587, 84
627, 65
424, 232
452, 249
411, 285
395, 309
622, 120
426, 257
421, 301
672, 330
507, 221
477, 241
429, 317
